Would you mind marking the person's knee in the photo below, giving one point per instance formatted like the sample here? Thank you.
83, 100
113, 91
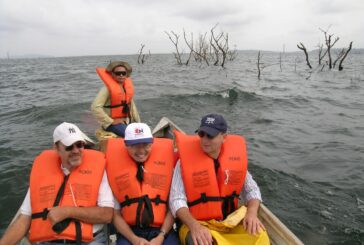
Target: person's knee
118, 129
171, 239
121, 240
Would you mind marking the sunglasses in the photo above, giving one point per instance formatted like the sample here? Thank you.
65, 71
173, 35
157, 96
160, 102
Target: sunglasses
202, 134
79, 145
120, 73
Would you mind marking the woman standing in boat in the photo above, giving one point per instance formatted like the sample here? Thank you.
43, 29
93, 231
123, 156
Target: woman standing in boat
113, 106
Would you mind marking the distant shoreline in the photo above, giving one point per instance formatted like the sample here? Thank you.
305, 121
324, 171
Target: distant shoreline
42, 56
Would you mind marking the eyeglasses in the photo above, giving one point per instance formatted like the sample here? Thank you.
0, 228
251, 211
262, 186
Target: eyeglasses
202, 134
79, 145
120, 73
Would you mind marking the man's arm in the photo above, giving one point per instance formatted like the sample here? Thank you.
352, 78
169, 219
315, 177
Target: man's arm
92, 215
98, 110
16, 231
179, 208
165, 228
100, 214
199, 233
134, 112
252, 196
251, 222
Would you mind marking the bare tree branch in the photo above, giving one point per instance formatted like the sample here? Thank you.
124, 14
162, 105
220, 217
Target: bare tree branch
302, 47
174, 40
346, 53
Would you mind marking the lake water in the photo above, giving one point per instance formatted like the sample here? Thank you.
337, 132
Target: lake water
305, 131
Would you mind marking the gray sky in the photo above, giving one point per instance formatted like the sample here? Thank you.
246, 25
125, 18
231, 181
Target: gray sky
107, 27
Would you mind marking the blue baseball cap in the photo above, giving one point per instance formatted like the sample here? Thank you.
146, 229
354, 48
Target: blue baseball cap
213, 124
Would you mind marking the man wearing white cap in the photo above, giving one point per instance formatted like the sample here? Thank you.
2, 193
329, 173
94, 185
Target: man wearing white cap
69, 198
140, 170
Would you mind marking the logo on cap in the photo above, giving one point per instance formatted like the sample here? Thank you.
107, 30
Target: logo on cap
210, 120
138, 131
72, 130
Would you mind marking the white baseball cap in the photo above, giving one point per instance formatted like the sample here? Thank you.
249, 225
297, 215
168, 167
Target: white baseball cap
68, 134
137, 133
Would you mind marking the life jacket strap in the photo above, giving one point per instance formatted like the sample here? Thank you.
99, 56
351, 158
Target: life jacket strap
60, 192
62, 225
204, 199
144, 213
123, 103
228, 204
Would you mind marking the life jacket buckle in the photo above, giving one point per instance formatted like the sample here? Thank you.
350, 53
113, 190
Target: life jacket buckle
45, 213
127, 200
157, 200
203, 197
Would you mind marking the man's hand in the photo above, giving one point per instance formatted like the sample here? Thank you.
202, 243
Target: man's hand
252, 224
158, 240
140, 241
57, 214
200, 234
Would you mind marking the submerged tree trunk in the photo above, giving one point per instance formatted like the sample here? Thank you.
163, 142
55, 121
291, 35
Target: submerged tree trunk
258, 64
302, 47
343, 58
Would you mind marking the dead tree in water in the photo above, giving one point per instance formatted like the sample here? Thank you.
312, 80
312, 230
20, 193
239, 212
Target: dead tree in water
302, 47
202, 51
142, 57
321, 54
329, 44
216, 52
222, 43
339, 56
232, 54
189, 45
343, 58
177, 55
258, 64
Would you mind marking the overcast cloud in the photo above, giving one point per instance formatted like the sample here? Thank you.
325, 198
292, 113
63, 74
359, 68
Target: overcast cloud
107, 27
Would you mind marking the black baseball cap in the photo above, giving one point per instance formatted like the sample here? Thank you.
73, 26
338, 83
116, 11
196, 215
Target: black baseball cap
213, 124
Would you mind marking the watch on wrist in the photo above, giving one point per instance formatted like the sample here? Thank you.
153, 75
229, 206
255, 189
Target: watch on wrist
163, 233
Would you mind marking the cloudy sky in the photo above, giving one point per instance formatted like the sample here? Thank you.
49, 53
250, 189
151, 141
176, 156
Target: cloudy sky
107, 27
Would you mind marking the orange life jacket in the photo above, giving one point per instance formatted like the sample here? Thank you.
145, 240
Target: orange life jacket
210, 196
81, 189
120, 96
149, 197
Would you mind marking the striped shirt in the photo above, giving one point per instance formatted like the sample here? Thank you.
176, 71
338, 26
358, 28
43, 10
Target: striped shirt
178, 198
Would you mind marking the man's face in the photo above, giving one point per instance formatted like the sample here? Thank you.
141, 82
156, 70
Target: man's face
119, 74
211, 145
71, 156
139, 152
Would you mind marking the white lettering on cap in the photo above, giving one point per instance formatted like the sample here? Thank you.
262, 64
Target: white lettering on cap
210, 120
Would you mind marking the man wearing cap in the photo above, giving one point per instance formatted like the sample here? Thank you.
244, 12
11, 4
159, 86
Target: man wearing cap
207, 181
69, 198
140, 170
114, 106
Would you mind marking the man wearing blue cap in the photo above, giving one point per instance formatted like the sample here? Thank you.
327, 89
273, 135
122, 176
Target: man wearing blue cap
208, 178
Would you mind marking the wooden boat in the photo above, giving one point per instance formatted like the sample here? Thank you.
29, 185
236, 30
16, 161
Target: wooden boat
278, 233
